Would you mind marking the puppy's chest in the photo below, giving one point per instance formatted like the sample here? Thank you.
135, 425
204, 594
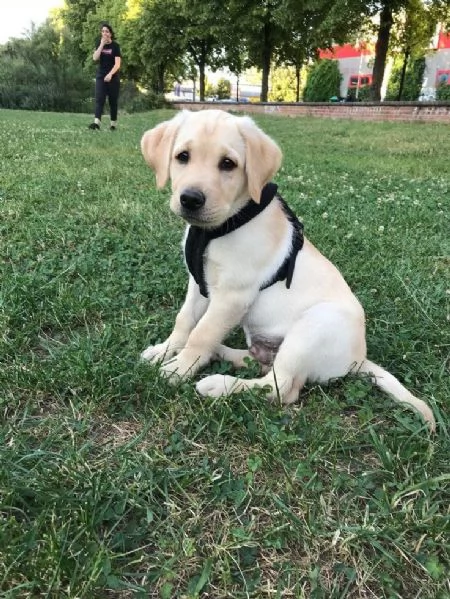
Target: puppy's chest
241, 262
216, 263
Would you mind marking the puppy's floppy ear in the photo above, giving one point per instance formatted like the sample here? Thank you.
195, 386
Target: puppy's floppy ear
262, 156
157, 144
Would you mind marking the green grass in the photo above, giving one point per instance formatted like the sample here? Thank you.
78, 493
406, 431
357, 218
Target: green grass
115, 484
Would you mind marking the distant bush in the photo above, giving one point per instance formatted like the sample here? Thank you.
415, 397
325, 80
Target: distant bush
324, 81
223, 88
40, 74
133, 100
364, 94
443, 92
220, 91
45, 95
412, 83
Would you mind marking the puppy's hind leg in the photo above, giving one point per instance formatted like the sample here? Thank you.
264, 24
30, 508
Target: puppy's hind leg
283, 381
283, 387
320, 346
237, 357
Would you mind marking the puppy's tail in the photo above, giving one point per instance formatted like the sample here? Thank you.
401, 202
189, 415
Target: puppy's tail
389, 384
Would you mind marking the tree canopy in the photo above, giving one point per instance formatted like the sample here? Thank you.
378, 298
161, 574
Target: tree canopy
167, 40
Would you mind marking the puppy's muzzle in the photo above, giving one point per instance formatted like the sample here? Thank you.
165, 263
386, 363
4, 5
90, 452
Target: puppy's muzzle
192, 200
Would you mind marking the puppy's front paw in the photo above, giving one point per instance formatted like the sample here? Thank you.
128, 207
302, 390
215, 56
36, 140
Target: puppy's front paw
217, 385
157, 353
180, 367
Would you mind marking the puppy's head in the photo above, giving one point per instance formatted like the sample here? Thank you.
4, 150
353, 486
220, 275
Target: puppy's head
216, 162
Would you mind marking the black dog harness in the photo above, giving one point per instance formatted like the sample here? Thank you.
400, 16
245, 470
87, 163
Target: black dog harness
198, 238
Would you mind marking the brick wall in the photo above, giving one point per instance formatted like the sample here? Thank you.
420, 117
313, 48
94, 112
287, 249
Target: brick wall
383, 111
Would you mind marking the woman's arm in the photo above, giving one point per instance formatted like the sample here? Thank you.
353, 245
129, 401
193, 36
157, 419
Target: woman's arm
113, 71
97, 53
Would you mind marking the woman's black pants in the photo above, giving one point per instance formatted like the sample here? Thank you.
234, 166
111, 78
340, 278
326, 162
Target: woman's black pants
104, 90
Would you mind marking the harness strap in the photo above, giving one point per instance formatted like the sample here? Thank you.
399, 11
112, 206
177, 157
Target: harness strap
198, 238
286, 270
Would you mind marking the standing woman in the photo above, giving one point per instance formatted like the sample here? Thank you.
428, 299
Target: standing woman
107, 80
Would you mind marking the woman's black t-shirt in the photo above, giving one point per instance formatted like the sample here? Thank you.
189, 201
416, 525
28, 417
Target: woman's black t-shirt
108, 58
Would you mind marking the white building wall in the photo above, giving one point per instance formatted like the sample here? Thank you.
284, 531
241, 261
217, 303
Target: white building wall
435, 61
353, 66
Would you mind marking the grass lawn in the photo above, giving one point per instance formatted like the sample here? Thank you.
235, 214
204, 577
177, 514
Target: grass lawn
114, 483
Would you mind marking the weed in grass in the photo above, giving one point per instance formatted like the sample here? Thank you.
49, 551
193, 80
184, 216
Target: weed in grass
114, 483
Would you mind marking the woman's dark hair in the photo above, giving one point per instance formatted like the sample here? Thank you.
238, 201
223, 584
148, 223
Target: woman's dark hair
108, 26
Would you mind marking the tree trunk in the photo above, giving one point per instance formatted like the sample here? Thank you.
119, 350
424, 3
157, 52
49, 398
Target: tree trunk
266, 59
160, 83
298, 71
381, 49
202, 76
402, 76
201, 90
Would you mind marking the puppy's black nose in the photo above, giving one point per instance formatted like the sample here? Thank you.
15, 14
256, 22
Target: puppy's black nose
192, 199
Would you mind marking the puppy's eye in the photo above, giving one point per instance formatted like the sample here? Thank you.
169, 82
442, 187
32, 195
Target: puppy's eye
226, 164
183, 157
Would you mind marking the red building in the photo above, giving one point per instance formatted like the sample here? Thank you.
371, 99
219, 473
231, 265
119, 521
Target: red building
356, 64
437, 69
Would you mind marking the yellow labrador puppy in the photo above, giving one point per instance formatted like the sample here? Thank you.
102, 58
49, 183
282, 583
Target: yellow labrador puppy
250, 265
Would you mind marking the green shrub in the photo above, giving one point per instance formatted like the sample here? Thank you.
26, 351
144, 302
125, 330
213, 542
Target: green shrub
324, 80
223, 89
47, 96
412, 83
220, 91
40, 73
443, 92
364, 94
133, 100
